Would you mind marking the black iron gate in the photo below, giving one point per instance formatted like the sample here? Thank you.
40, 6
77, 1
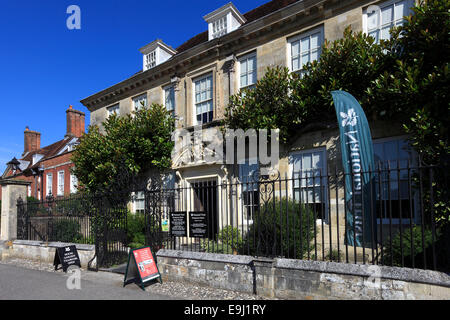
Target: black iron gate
110, 232
83, 219
158, 205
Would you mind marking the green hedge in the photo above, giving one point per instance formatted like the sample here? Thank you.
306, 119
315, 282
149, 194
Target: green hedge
280, 228
66, 230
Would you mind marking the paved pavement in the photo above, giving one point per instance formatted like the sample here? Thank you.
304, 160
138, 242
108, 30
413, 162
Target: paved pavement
29, 279
17, 283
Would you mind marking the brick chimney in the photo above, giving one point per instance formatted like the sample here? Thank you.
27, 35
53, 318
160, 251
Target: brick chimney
75, 122
32, 140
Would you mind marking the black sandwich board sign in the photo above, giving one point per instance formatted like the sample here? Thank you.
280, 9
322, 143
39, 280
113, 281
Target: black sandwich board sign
66, 256
178, 224
198, 224
141, 267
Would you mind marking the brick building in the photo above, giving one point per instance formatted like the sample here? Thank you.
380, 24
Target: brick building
48, 168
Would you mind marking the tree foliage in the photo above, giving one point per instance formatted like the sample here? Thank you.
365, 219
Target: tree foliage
405, 79
267, 106
289, 101
132, 143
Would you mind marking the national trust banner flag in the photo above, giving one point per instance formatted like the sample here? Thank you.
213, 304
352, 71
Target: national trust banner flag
357, 160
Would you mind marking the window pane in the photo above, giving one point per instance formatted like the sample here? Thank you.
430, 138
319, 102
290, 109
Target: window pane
372, 20
252, 64
387, 15
385, 35
315, 40
295, 48
243, 66
375, 35
295, 64
400, 10
305, 59
252, 78
305, 44
315, 55
244, 82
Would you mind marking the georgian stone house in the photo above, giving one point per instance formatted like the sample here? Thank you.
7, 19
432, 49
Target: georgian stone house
196, 80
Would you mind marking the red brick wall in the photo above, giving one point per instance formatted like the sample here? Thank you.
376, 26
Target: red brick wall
53, 166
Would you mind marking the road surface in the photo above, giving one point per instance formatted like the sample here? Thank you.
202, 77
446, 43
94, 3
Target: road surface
17, 283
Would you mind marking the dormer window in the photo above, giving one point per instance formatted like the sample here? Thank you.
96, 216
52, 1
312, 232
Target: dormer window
156, 53
36, 158
219, 27
150, 60
223, 20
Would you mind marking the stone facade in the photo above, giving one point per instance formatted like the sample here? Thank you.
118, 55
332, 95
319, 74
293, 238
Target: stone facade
268, 38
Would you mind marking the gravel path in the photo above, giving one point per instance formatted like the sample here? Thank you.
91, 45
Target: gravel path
177, 290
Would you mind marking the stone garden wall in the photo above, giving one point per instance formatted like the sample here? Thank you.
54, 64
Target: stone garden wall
299, 279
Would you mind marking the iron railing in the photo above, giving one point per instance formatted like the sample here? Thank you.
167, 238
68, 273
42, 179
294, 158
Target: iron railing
81, 218
304, 216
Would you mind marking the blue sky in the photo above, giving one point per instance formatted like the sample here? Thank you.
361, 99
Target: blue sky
45, 67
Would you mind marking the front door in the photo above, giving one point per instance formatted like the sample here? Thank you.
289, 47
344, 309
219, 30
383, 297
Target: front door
205, 199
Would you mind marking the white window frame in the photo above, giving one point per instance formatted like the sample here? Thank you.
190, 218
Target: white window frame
49, 186
168, 89
298, 38
114, 109
60, 183
241, 59
219, 27
199, 79
324, 183
138, 201
381, 24
150, 60
73, 183
137, 101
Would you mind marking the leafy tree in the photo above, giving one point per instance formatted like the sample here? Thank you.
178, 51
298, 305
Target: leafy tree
130, 145
351, 64
267, 106
405, 79
422, 78
419, 87
289, 102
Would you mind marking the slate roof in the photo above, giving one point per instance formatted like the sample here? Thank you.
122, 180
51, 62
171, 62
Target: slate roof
26, 162
252, 15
